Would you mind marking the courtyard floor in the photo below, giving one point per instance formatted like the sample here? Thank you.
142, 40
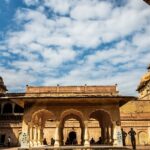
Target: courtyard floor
16, 148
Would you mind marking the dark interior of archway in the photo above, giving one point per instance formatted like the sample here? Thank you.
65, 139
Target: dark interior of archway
18, 109
102, 116
72, 137
7, 108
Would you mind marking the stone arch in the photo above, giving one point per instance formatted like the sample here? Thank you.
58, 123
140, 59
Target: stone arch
142, 138
105, 124
71, 112
68, 114
7, 108
101, 112
43, 114
37, 124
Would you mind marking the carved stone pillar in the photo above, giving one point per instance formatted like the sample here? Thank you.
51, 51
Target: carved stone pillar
39, 135
35, 136
30, 135
57, 138
2, 107
117, 135
13, 108
107, 134
86, 135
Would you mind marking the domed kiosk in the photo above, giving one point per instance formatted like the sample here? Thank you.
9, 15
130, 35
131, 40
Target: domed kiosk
3, 88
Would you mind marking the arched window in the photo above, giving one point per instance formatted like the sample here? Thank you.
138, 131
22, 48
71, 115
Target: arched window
7, 108
18, 109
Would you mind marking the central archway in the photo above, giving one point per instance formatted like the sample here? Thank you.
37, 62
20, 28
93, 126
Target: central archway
72, 128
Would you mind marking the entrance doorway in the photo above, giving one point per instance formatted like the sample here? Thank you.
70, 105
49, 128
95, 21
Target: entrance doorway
2, 139
73, 138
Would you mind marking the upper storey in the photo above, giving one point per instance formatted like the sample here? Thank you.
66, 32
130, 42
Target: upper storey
72, 90
144, 86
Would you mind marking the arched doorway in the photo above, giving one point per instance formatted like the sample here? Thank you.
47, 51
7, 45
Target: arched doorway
42, 127
71, 129
105, 131
143, 138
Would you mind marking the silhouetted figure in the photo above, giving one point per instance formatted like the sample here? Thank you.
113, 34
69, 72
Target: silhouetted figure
132, 134
52, 141
75, 142
99, 141
92, 141
67, 141
9, 141
124, 134
44, 141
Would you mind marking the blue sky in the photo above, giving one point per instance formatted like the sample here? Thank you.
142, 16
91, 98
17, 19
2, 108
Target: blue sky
74, 42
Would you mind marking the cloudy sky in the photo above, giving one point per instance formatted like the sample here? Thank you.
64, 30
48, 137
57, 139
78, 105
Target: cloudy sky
74, 42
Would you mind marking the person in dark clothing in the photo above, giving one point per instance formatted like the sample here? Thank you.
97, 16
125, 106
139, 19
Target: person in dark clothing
132, 134
44, 141
124, 134
92, 141
99, 141
67, 141
52, 141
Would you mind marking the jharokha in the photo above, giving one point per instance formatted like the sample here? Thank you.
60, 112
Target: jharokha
63, 115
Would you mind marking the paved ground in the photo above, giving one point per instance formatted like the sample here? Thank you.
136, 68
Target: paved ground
138, 148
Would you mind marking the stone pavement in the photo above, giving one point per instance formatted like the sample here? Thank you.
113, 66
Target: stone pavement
138, 148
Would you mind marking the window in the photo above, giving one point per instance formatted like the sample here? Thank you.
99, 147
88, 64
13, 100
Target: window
7, 108
18, 109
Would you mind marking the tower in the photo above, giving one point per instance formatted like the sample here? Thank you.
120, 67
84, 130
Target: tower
3, 88
144, 86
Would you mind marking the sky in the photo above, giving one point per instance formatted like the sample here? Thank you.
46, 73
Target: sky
74, 42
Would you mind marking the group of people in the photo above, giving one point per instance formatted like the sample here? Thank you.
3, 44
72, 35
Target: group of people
45, 141
132, 134
92, 141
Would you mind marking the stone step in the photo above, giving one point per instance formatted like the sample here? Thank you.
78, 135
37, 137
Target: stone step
76, 148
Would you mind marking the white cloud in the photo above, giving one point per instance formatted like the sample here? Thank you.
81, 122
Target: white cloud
109, 41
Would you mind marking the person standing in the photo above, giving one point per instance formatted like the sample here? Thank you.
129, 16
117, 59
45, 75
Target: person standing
132, 134
9, 141
124, 134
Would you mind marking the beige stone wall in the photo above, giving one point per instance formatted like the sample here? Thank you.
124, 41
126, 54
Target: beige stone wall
136, 114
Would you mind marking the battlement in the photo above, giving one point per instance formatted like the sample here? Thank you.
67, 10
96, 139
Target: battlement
112, 89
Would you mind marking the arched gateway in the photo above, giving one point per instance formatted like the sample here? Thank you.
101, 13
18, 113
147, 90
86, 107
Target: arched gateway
71, 115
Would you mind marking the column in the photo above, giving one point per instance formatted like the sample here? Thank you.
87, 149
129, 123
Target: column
57, 139
107, 134
2, 107
31, 136
39, 135
25, 134
13, 108
86, 135
112, 140
35, 136
117, 135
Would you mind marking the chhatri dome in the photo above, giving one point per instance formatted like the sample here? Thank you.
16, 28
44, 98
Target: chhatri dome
144, 79
3, 88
